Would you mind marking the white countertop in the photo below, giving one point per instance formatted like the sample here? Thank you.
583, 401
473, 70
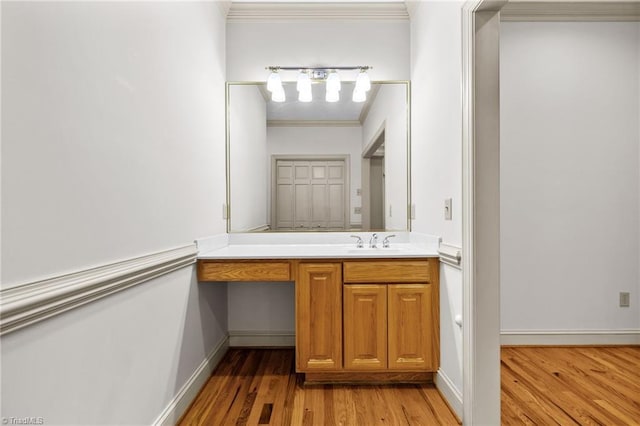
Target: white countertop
313, 246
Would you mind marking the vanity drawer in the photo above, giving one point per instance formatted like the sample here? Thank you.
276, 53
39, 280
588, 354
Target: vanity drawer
263, 270
386, 271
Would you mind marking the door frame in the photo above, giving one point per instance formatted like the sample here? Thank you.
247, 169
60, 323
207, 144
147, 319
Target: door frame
345, 158
367, 153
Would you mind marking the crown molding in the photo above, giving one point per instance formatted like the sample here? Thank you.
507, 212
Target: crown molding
567, 11
224, 6
292, 12
313, 123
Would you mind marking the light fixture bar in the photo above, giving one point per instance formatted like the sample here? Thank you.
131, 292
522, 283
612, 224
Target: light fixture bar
325, 68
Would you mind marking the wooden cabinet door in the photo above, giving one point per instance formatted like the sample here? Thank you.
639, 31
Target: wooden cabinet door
319, 317
365, 327
410, 327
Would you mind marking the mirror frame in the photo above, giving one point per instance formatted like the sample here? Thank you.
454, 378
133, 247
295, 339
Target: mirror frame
227, 207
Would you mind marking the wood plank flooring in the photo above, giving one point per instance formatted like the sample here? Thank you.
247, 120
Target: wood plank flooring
570, 385
260, 387
540, 386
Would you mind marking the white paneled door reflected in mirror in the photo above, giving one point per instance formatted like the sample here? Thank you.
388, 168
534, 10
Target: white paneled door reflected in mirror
319, 165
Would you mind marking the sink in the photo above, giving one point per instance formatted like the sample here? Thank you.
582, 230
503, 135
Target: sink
374, 251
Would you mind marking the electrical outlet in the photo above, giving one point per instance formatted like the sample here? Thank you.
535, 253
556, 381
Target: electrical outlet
625, 300
447, 209
357, 210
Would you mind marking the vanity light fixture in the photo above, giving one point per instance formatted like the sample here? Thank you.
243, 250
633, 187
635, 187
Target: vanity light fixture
304, 86
363, 85
274, 85
309, 75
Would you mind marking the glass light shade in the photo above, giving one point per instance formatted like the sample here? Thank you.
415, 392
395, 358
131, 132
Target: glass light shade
304, 82
305, 95
363, 83
359, 95
332, 95
333, 82
274, 82
278, 95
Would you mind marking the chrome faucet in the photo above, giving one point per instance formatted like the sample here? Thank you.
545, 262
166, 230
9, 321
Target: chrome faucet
385, 242
373, 242
359, 242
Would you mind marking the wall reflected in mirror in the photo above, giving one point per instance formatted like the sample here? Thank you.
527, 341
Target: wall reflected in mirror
318, 166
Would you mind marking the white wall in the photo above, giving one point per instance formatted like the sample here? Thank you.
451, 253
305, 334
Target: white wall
321, 141
390, 109
249, 161
381, 44
436, 154
570, 131
112, 147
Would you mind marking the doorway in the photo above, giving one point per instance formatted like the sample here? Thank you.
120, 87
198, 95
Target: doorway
373, 183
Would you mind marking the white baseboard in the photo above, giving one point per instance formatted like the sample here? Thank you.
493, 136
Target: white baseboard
449, 392
177, 406
253, 338
570, 337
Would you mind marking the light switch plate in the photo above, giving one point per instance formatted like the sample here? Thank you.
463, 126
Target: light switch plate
447, 209
625, 299
357, 210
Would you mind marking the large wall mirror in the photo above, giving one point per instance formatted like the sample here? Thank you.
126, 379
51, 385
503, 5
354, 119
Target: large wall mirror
318, 166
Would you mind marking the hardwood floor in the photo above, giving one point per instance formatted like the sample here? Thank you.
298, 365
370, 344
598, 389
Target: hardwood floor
260, 387
570, 385
540, 386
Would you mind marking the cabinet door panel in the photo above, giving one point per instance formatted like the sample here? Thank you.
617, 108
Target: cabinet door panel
319, 317
410, 328
365, 327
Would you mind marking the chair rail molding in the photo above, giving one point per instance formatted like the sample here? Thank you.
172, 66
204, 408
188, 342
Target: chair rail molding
30, 303
450, 255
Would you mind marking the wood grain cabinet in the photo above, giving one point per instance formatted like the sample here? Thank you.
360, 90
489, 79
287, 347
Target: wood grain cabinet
391, 326
365, 327
319, 317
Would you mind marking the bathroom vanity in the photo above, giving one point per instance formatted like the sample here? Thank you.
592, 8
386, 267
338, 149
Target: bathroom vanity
362, 314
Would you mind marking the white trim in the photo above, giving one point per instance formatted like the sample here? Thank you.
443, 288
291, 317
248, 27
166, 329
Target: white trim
296, 12
188, 392
480, 221
30, 303
468, 242
571, 11
450, 255
261, 338
570, 337
449, 392
313, 123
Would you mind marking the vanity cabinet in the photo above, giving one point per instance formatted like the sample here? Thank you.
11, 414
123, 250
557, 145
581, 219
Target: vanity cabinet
390, 326
388, 312
319, 317
372, 320
387, 327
